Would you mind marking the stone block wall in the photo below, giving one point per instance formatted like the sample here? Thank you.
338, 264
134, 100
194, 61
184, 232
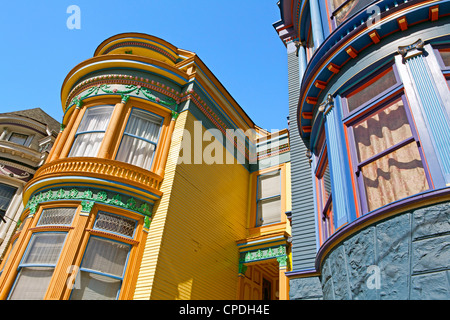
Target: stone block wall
405, 257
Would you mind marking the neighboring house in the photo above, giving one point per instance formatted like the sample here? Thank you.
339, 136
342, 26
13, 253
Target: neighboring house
370, 109
26, 138
159, 187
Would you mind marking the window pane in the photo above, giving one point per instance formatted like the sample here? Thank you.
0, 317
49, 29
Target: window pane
141, 135
44, 248
144, 124
269, 211
86, 145
6, 194
31, 283
105, 256
381, 131
395, 176
18, 138
96, 287
57, 216
114, 223
383, 83
269, 185
96, 118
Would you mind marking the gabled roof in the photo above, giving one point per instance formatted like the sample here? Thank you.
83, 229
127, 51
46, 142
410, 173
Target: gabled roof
39, 115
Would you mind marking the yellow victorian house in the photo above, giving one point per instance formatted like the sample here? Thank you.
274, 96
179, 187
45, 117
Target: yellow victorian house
159, 186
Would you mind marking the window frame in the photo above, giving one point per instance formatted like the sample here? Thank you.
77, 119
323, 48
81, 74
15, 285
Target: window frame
324, 204
136, 223
38, 265
3, 212
77, 133
258, 200
123, 133
84, 269
366, 112
359, 85
25, 143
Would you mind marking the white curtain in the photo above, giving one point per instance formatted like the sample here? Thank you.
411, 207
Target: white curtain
32, 281
106, 257
91, 131
137, 147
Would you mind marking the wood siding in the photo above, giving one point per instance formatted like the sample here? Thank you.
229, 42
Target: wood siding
201, 215
303, 224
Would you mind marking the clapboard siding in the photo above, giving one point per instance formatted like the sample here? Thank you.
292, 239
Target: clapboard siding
303, 224
204, 217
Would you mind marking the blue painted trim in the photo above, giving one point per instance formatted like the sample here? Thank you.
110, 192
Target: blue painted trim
435, 115
336, 161
316, 23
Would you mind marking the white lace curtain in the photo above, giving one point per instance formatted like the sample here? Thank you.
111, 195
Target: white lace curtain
91, 131
139, 141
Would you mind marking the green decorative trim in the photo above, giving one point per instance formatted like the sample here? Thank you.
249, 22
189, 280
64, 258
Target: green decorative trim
147, 221
282, 261
175, 115
125, 98
263, 254
88, 199
242, 268
124, 90
62, 127
86, 206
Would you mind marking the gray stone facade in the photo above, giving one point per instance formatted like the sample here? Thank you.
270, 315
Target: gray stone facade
405, 257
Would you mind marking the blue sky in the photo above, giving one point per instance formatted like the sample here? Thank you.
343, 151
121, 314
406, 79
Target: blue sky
234, 38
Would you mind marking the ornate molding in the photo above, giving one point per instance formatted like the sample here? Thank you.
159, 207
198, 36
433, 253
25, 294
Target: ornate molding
412, 50
103, 167
263, 254
88, 199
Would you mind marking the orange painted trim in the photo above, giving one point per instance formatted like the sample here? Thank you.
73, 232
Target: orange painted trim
374, 36
402, 23
320, 84
434, 13
307, 115
351, 52
311, 100
333, 68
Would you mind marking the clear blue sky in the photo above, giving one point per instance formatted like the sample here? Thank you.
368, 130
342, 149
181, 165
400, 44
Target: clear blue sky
234, 38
